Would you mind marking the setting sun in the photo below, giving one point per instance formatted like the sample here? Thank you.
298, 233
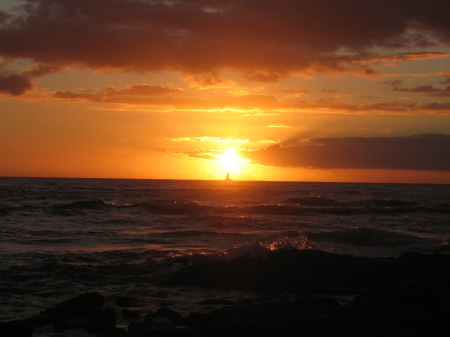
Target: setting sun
231, 162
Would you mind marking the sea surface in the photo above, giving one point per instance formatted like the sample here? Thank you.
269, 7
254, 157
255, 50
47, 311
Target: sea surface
64, 237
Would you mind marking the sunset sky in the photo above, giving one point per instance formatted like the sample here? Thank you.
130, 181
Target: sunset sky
312, 90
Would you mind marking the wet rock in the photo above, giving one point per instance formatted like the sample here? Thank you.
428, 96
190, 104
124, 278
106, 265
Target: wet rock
126, 302
139, 328
61, 325
217, 301
305, 271
311, 271
178, 332
242, 270
215, 321
16, 328
149, 318
82, 305
182, 260
126, 313
407, 296
317, 305
208, 274
196, 319
118, 332
165, 304
102, 321
169, 314
424, 292
45, 317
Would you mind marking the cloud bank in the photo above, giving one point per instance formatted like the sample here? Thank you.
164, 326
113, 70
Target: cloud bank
262, 39
419, 152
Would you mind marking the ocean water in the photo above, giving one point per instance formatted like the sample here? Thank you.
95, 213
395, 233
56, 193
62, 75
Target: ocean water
64, 237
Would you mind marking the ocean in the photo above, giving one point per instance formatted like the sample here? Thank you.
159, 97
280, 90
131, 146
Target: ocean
64, 237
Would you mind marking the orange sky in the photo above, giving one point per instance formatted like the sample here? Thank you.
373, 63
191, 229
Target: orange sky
303, 90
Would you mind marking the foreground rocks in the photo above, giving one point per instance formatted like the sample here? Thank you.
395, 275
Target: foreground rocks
407, 296
305, 272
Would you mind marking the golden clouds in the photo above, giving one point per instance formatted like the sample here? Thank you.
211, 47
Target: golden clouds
280, 126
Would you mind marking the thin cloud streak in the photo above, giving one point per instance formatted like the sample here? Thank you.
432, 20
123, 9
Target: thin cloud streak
166, 97
426, 89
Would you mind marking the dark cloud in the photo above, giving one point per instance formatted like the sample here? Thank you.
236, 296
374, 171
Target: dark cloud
132, 94
420, 152
14, 84
399, 108
17, 84
410, 56
262, 39
295, 92
3, 17
426, 89
43, 69
438, 107
143, 90
330, 92
210, 80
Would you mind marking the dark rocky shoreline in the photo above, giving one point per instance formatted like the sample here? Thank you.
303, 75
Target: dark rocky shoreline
405, 296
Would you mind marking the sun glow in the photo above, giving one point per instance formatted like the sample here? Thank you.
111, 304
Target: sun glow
231, 162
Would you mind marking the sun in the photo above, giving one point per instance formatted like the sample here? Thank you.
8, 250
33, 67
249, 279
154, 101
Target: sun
230, 161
